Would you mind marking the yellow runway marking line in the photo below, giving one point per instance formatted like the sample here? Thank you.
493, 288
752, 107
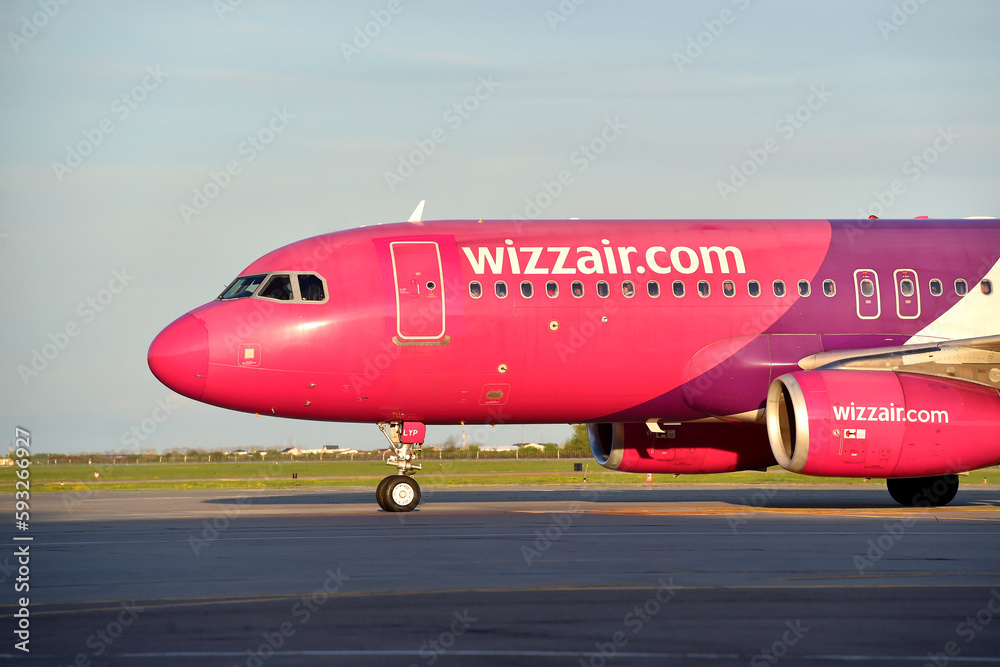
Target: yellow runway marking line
825, 512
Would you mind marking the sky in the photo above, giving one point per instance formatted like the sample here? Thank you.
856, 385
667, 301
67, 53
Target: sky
151, 151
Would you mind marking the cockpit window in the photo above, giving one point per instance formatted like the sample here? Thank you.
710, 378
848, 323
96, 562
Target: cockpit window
311, 287
278, 287
243, 287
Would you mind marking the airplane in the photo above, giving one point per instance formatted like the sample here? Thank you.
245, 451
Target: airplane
844, 348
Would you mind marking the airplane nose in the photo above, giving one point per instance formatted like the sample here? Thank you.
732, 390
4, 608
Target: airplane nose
178, 356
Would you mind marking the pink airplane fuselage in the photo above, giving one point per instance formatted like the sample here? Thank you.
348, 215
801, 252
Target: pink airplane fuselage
412, 325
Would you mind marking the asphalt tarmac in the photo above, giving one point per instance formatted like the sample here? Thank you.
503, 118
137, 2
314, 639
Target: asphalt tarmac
699, 575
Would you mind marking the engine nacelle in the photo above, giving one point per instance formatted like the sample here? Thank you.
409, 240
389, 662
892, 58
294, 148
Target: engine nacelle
684, 448
850, 423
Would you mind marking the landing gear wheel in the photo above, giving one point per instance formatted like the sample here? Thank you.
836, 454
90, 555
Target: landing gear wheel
923, 491
380, 493
902, 490
401, 493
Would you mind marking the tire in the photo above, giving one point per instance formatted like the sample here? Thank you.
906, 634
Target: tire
402, 494
935, 491
380, 492
902, 490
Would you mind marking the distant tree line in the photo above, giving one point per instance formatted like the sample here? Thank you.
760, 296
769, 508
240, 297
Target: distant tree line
575, 447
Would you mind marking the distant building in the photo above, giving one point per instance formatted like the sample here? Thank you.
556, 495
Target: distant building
326, 449
516, 446
525, 445
329, 449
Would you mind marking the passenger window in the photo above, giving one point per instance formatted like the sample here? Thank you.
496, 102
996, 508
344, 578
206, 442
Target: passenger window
278, 287
805, 289
906, 287
703, 289
961, 287
577, 289
243, 287
628, 289
986, 286
829, 288
753, 288
779, 288
552, 289
653, 289
937, 289
602, 289
527, 289
729, 288
867, 287
500, 288
678, 288
475, 289
311, 287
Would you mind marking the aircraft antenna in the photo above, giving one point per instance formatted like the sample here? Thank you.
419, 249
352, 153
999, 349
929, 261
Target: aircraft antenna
418, 212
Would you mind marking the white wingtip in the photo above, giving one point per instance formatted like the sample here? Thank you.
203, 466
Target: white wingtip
418, 212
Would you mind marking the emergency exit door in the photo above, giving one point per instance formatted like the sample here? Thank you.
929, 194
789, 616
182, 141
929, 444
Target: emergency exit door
907, 294
866, 293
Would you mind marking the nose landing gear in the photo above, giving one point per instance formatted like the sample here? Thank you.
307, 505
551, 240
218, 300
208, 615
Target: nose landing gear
400, 492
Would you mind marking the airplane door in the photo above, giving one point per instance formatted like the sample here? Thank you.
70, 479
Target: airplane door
416, 268
867, 294
907, 294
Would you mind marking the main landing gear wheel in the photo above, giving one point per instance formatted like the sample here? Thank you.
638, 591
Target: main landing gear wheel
398, 493
923, 491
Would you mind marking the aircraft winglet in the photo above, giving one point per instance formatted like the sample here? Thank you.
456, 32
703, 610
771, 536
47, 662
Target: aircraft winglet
417, 213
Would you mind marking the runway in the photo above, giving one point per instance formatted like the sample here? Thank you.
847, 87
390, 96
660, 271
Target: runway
701, 575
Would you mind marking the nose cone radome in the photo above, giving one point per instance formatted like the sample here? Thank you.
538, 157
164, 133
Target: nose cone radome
178, 356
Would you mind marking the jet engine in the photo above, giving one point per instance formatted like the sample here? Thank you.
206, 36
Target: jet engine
682, 448
853, 423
